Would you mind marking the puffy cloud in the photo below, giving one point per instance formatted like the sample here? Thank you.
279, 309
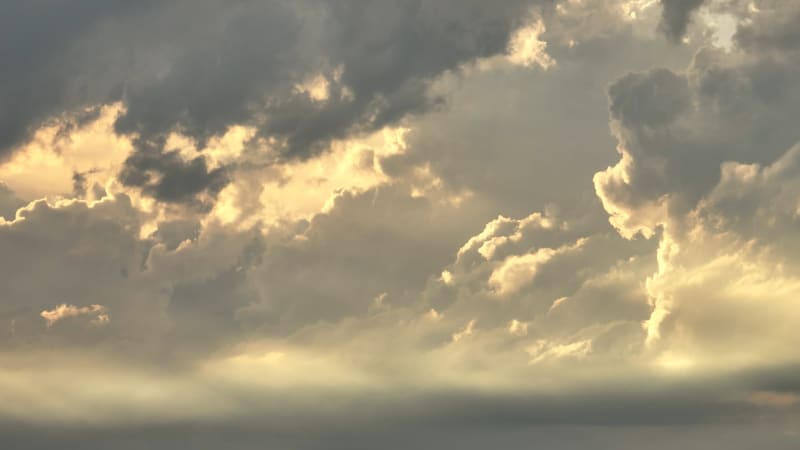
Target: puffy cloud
725, 107
518, 270
333, 265
738, 253
53, 246
526, 47
64, 311
706, 157
559, 287
202, 286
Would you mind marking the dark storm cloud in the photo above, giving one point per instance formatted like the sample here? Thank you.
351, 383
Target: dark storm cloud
40, 78
200, 67
166, 176
676, 16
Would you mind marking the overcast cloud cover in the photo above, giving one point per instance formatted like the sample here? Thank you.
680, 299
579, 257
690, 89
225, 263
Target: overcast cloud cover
358, 224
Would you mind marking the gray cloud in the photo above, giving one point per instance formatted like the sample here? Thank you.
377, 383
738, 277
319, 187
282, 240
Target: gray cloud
557, 438
496, 138
98, 245
9, 202
676, 16
677, 129
198, 68
705, 167
166, 176
221, 285
772, 28
41, 76
660, 414
404, 313
651, 99
339, 262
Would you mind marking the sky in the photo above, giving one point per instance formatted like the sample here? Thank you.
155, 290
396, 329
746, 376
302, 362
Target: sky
366, 224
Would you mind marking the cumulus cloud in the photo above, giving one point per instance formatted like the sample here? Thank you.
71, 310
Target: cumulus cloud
701, 154
672, 144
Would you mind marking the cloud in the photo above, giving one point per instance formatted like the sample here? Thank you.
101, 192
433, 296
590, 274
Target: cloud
201, 69
198, 287
770, 27
46, 165
738, 253
64, 311
261, 228
9, 203
671, 152
516, 271
496, 140
64, 242
551, 286
474, 437
526, 47
169, 178
676, 16
333, 266
46, 75
649, 100
705, 158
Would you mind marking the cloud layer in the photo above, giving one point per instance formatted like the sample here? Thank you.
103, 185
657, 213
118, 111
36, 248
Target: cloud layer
391, 225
